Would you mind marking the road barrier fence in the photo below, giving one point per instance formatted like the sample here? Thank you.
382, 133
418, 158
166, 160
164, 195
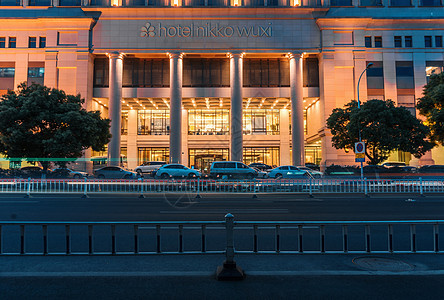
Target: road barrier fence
202, 186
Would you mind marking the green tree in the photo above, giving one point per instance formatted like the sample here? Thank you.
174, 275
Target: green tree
383, 127
431, 105
42, 124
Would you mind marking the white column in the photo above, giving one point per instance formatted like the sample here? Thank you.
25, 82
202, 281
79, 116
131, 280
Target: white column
131, 142
115, 106
297, 109
185, 138
236, 149
176, 107
284, 136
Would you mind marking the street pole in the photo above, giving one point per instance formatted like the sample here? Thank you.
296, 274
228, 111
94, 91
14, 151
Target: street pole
359, 107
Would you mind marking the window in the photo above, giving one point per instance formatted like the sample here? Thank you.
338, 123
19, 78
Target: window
408, 41
101, 72
124, 123
368, 42
12, 41
153, 154
311, 72
42, 42
208, 122
400, 3
261, 121
433, 68
398, 42
2, 42
341, 3
36, 73
431, 2
438, 41
139, 72
378, 41
153, 122
204, 72
375, 80
265, 155
32, 42
7, 72
266, 72
371, 3
427, 41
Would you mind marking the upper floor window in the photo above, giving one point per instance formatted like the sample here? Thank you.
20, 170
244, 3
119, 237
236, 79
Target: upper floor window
368, 41
428, 41
433, 68
10, 3
311, 72
7, 72
271, 72
32, 42
408, 41
205, 72
12, 42
371, 3
2, 42
70, 3
438, 41
101, 72
139, 72
431, 2
42, 42
36, 73
340, 3
400, 3
378, 41
398, 41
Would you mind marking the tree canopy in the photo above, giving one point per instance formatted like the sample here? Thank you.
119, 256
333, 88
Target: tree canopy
384, 128
431, 105
38, 123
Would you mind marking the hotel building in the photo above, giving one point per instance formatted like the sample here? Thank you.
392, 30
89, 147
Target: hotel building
194, 81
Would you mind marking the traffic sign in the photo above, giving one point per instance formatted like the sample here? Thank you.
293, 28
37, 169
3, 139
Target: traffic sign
359, 147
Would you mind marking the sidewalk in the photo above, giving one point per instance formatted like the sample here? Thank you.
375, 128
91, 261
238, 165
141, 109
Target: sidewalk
409, 276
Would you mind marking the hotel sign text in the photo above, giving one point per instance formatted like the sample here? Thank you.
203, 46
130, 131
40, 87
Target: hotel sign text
205, 30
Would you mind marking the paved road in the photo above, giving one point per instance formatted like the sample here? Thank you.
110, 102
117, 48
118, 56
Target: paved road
171, 206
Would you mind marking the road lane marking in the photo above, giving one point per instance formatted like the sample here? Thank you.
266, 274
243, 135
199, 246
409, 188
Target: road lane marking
19, 201
236, 211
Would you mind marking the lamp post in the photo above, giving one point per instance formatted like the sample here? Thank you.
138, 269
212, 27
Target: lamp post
359, 107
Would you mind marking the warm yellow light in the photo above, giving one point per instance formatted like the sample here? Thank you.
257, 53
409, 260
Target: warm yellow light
175, 2
114, 2
236, 2
296, 2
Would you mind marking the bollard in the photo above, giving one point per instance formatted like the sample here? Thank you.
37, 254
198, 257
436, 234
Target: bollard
141, 187
254, 189
198, 196
421, 189
85, 189
229, 271
28, 189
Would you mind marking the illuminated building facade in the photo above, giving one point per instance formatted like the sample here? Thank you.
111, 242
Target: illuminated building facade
194, 81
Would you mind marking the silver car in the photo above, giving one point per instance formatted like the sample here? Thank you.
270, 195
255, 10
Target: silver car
231, 169
148, 167
114, 173
176, 170
288, 172
313, 173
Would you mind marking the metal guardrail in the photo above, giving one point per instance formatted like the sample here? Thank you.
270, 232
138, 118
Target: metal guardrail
198, 186
334, 237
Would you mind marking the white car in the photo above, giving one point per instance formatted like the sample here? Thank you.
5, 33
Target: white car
288, 172
176, 170
148, 167
314, 173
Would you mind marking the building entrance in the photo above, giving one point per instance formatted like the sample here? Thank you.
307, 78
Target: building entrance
201, 159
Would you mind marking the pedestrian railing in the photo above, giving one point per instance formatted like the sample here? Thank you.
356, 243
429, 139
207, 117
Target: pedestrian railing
202, 186
229, 236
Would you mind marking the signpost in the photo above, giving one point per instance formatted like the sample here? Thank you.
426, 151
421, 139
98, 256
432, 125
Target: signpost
360, 152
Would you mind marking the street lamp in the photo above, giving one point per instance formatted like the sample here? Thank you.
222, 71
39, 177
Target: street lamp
359, 107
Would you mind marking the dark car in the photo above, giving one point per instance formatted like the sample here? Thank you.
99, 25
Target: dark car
261, 166
32, 172
114, 173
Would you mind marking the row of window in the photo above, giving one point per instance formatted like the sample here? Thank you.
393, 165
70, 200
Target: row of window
36, 73
32, 42
204, 72
429, 41
220, 3
206, 122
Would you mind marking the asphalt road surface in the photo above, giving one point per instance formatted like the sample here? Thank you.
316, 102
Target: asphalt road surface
180, 207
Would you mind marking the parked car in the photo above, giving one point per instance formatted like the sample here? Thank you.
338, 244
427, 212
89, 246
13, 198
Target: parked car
31, 172
67, 173
261, 166
313, 173
288, 172
176, 170
391, 164
148, 167
260, 173
114, 173
231, 169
